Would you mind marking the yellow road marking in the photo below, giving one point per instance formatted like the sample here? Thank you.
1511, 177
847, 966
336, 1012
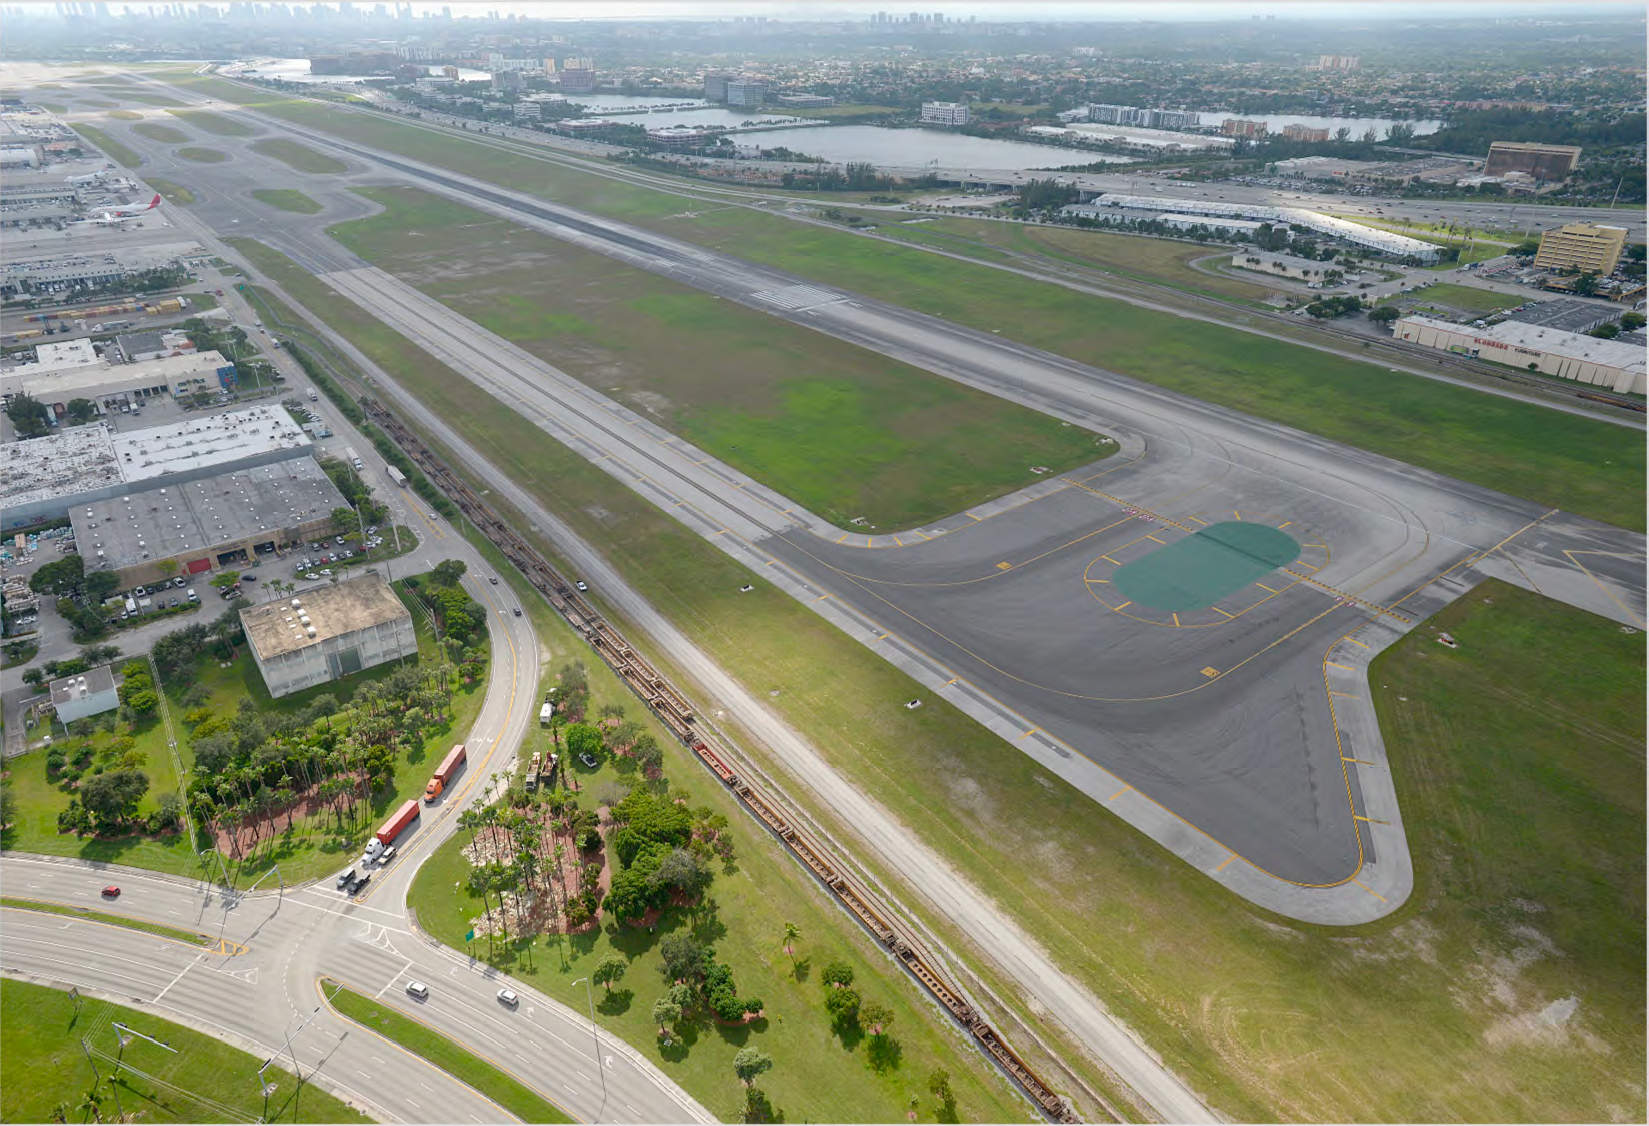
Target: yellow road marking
1150, 537
1228, 617
1283, 525
821, 598
843, 536
1237, 514
1200, 520
1119, 793
1370, 890
1031, 732
1262, 586
1210, 671
1176, 620
1354, 641
1226, 861
1337, 665
1111, 561
1124, 606
1370, 820
1004, 566
1359, 762
897, 541
1347, 695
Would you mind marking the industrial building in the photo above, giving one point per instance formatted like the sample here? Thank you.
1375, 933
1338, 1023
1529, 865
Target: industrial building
1567, 355
746, 91
1384, 242
944, 113
1243, 227
1552, 163
89, 693
327, 633
44, 478
136, 347
1588, 247
232, 519
1282, 265
1567, 315
113, 386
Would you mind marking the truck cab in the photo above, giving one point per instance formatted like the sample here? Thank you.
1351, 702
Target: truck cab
433, 790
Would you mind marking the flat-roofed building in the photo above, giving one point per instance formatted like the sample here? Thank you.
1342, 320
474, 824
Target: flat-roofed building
945, 113
1582, 246
136, 347
806, 101
576, 76
43, 478
328, 633
1543, 162
85, 694
746, 92
1567, 355
234, 520
112, 386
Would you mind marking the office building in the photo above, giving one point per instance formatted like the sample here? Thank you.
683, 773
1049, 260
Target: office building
328, 633
1551, 163
944, 113
806, 101
746, 91
1586, 247
1241, 127
715, 87
577, 76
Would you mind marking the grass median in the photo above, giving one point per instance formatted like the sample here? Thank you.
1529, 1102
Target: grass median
173, 193
300, 157
496, 1083
176, 934
162, 133
287, 199
46, 1077
1580, 464
212, 122
110, 147
201, 155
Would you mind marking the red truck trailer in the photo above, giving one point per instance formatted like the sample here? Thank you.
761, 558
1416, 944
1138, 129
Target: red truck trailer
393, 828
443, 776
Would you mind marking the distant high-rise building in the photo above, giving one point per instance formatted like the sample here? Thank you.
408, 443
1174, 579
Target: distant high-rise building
1304, 133
1543, 162
944, 113
577, 76
1242, 127
746, 92
1172, 119
715, 87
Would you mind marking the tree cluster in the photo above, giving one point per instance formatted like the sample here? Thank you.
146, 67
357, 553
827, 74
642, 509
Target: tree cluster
698, 982
1326, 308
656, 864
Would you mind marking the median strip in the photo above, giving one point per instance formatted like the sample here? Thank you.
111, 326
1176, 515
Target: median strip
176, 934
501, 1086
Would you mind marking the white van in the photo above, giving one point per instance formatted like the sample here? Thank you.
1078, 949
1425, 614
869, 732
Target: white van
193, 597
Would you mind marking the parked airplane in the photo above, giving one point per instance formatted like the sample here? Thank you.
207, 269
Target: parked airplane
82, 181
121, 214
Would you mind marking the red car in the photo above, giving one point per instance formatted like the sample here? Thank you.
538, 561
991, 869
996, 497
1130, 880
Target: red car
112, 892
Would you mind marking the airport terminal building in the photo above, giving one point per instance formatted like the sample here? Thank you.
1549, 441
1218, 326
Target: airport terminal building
328, 633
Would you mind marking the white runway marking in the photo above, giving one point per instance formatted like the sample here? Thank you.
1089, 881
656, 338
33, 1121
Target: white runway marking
801, 297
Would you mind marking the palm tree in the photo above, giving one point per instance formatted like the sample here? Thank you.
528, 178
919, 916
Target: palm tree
91, 1103
61, 1112
791, 933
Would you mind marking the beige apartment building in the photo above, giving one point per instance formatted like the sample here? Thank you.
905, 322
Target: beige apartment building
1584, 246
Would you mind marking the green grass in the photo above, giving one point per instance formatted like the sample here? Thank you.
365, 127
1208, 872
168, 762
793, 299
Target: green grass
53, 107
818, 1076
1586, 466
42, 1064
843, 431
110, 147
213, 122
164, 133
828, 113
496, 1083
201, 155
176, 934
1470, 300
1270, 1019
178, 195
300, 157
287, 199
150, 99
125, 115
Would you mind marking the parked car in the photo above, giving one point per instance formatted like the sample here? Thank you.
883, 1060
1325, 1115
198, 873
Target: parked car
588, 760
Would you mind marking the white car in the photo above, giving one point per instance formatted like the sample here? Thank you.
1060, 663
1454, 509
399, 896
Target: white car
418, 989
508, 997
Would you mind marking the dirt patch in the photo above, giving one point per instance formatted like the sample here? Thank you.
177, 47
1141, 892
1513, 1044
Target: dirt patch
548, 904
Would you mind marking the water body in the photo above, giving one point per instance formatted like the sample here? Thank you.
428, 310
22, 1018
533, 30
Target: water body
1357, 125
912, 148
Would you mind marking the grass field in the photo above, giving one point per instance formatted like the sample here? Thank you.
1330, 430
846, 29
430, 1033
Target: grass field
1583, 465
300, 157
158, 132
202, 155
110, 147
287, 199
125, 115
149, 99
841, 430
176, 934
169, 191
828, 113
418, 1038
213, 122
53, 107
42, 1066
818, 1076
1470, 300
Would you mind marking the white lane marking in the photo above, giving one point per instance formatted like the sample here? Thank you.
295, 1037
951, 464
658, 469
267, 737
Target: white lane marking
375, 1059
362, 1074
427, 1087
414, 1104
582, 1076
174, 981
565, 1087
393, 980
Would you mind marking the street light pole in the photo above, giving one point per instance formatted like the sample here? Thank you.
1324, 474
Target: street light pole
594, 1035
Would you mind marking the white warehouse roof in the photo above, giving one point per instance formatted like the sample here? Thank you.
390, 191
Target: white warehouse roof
1313, 220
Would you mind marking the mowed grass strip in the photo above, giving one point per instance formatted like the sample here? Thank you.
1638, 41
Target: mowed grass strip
125, 115
1470, 300
177, 934
842, 430
212, 122
287, 199
1268, 1018
300, 157
110, 147
169, 191
158, 132
1587, 466
202, 155
497, 1084
43, 1067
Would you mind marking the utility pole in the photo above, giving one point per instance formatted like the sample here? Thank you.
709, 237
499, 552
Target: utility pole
590, 994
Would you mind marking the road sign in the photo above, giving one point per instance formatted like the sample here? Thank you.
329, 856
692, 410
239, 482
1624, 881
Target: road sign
469, 935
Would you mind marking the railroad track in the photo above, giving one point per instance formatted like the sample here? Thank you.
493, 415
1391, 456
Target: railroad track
677, 714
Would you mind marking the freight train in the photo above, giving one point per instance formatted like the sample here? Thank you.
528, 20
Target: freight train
678, 715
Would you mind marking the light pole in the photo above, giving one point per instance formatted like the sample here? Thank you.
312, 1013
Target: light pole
590, 994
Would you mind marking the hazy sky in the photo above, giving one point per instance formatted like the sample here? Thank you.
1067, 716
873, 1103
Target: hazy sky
1125, 10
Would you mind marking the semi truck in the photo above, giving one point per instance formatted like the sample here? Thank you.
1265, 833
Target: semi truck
396, 475
444, 775
354, 458
397, 824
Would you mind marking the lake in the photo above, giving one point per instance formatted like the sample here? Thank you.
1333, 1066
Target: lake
912, 148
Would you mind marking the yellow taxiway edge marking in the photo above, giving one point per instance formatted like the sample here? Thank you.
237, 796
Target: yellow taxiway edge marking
1124, 606
1359, 762
1347, 695
1176, 620
1031, 732
1111, 561
897, 541
1228, 617
1324, 546
1370, 890
1281, 526
1226, 861
821, 598
1107, 582
1237, 514
1337, 665
1262, 586
843, 536
1151, 537
1354, 641
975, 517
952, 681
1199, 520
1119, 793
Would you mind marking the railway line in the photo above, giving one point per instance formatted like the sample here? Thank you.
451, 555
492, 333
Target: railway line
677, 713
